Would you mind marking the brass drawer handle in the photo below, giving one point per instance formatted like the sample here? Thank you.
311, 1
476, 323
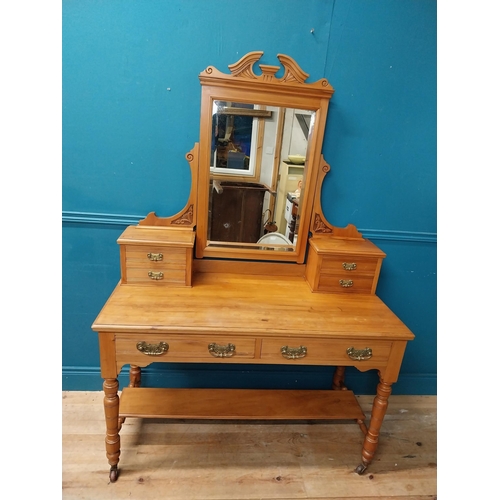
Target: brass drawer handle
293, 352
155, 256
221, 351
359, 354
349, 266
346, 283
155, 275
152, 349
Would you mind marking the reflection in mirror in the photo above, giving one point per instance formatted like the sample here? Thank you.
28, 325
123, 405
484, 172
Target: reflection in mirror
258, 164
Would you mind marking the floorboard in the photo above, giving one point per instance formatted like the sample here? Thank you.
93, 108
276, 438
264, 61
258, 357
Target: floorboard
248, 460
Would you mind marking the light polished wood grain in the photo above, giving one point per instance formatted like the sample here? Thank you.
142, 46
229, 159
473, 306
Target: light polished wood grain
168, 308
247, 304
239, 404
215, 460
258, 319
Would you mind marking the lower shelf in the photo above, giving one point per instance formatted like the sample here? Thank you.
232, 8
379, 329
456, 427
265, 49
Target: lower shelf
239, 404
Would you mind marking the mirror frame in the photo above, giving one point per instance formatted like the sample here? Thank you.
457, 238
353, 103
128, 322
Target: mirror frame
288, 91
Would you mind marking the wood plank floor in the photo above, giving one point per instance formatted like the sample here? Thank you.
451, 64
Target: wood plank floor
235, 460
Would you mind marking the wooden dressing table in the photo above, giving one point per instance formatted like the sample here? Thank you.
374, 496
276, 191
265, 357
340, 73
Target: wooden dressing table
185, 298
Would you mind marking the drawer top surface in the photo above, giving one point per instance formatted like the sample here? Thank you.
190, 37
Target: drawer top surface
248, 305
157, 235
345, 246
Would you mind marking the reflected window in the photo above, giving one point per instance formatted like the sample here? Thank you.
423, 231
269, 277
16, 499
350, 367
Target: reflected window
234, 137
257, 172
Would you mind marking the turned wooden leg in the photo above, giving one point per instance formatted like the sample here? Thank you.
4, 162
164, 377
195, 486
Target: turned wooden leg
338, 379
135, 376
111, 409
371, 438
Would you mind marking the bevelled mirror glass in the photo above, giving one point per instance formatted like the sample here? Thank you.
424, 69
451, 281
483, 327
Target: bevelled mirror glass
260, 144
257, 163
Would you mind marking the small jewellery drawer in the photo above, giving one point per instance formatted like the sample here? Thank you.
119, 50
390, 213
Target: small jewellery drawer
145, 349
156, 256
345, 283
337, 265
156, 265
156, 275
347, 274
325, 352
348, 265
145, 255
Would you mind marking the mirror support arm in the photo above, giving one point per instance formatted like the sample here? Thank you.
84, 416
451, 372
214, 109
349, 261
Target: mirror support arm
187, 216
319, 225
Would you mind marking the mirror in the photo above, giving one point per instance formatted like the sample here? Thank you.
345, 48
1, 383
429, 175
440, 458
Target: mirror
260, 145
257, 163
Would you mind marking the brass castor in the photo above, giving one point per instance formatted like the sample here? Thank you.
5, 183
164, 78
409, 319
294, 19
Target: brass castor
113, 473
360, 469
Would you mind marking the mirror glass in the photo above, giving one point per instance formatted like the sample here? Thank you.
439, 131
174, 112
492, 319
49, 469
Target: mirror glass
258, 169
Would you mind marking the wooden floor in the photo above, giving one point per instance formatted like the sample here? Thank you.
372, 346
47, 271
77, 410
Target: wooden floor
215, 460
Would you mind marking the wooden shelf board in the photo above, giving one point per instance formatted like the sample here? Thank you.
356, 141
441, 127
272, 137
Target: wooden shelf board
239, 404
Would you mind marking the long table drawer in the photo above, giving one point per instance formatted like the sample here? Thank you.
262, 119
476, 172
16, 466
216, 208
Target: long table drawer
325, 352
144, 349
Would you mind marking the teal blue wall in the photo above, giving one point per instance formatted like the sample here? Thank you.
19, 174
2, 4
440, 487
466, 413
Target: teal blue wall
131, 100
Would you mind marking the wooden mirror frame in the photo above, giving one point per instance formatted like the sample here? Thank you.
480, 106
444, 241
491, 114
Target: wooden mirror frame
288, 91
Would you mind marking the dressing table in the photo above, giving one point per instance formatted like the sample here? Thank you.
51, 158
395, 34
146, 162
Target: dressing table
192, 294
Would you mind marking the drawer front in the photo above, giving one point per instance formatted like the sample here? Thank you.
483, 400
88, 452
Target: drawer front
143, 256
345, 283
165, 348
349, 265
156, 275
155, 265
325, 352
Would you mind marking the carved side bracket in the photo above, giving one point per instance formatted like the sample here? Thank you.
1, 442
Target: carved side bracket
319, 225
187, 216
243, 69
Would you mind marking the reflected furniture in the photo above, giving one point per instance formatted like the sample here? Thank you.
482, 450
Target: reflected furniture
290, 181
186, 296
236, 211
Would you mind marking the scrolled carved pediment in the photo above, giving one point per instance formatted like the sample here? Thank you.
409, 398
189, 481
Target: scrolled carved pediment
243, 70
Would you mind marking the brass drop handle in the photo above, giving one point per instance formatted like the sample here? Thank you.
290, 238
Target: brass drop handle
221, 351
359, 354
294, 352
346, 283
152, 349
155, 275
349, 266
155, 256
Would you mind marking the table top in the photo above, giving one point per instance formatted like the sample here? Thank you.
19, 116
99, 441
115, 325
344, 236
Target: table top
248, 305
